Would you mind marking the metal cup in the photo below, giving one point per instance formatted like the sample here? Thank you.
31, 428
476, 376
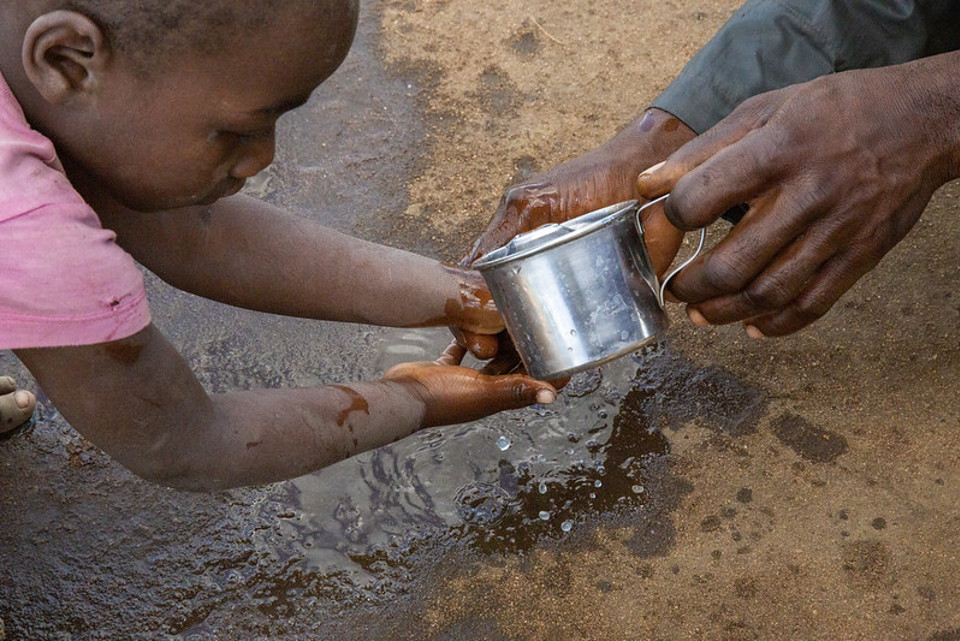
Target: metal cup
577, 294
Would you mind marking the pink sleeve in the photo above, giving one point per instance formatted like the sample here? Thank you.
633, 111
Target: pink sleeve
63, 279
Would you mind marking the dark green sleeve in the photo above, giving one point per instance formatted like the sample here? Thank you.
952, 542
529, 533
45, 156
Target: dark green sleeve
769, 44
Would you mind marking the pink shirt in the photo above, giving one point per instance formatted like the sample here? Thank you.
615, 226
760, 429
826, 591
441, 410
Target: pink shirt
63, 279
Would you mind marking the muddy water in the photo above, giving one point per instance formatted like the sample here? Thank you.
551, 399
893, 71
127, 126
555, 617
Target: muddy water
89, 552
95, 554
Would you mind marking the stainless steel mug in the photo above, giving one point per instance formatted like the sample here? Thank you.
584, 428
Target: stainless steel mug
577, 294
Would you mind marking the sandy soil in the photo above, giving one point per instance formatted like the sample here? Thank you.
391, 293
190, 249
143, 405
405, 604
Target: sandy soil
836, 518
515, 88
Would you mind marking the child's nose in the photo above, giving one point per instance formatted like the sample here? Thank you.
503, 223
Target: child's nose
254, 157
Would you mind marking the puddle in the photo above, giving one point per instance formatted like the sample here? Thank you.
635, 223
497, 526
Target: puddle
290, 559
361, 531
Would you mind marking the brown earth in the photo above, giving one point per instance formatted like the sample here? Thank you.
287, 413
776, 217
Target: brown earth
837, 518
834, 516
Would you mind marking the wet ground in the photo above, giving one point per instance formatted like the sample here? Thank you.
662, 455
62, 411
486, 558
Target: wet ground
707, 487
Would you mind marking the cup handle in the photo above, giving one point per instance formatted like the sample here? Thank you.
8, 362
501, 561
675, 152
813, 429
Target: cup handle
703, 236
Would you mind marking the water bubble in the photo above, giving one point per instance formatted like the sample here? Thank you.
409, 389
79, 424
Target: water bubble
482, 503
592, 495
503, 443
544, 515
624, 335
543, 487
637, 489
573, 332
602, 413
566, 526
598, 483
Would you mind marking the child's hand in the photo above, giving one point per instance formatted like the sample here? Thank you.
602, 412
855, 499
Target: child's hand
476, 322
475, 311
454, 394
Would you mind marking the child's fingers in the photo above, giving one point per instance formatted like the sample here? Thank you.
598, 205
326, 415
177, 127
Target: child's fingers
7, 385
503, 364
453, 355
517, 390
483, 346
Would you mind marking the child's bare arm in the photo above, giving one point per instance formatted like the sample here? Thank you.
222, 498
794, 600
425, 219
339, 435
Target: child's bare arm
138, 401
251, 254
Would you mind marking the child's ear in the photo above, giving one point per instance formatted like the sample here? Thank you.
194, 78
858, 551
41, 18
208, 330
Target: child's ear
64, 53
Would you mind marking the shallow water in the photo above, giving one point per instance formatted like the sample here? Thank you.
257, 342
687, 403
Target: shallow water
89, 551
362, 532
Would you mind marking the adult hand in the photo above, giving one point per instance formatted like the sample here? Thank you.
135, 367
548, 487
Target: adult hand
454, 394
835, 172
603, 176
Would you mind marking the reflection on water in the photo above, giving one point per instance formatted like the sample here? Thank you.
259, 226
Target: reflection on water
284, 561
363, 530
500, 484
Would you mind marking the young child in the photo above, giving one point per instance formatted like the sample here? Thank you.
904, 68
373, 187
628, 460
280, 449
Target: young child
126, 129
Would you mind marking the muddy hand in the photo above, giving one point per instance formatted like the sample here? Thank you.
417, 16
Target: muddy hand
16, 406
829, 194
603, 176
454, 394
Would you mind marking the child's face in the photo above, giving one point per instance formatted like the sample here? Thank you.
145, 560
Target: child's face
193, 132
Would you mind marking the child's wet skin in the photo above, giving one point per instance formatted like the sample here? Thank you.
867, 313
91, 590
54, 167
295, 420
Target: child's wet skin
473, 310
476, 306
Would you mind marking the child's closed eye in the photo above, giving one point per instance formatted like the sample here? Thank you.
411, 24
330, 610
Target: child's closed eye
242, 135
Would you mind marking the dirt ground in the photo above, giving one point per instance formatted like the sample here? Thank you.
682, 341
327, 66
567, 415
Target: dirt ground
836, 518
830, 512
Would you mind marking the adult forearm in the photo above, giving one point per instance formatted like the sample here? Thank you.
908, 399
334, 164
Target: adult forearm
770, 44
931, 90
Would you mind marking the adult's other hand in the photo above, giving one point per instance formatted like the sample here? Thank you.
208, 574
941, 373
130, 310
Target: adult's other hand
835, 172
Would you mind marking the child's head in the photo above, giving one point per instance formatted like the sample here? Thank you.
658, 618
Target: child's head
166, 103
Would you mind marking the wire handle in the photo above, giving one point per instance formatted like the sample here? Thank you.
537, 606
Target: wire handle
703, 236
